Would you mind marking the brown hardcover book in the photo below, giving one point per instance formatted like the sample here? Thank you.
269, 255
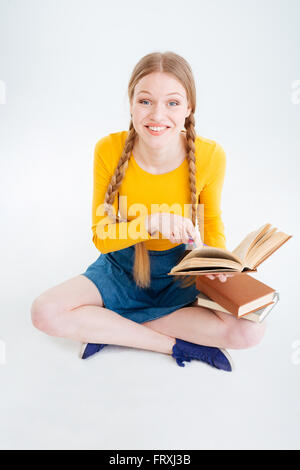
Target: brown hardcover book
257, 316
240, 294
256, 247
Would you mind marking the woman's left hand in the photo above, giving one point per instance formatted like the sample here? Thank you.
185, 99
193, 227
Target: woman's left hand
222, 276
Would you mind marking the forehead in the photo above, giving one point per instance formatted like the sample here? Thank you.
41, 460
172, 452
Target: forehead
160, 83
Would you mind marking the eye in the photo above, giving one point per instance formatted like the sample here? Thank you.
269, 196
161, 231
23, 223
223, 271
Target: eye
176, 102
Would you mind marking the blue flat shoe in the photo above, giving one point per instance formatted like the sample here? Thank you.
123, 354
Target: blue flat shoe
88, 349
215, 357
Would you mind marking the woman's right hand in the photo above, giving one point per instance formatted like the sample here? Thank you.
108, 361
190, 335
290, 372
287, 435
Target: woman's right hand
176, 228
221, 276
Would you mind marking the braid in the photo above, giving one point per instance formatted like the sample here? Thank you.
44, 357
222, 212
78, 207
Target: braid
187, 281
141, 268
119, 174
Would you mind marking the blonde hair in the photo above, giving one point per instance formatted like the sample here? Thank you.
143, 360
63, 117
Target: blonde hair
170, 63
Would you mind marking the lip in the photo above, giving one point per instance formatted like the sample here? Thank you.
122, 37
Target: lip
157, 133
156, 125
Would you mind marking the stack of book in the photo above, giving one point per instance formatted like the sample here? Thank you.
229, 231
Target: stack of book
241, 295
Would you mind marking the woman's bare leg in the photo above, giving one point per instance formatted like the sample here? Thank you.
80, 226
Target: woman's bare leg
209, 328
74, 309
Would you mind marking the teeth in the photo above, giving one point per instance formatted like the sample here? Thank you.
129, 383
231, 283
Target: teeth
157, 128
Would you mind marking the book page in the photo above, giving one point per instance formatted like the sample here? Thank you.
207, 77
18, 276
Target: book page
262, 240
211, 252
249, 241
198, 263
202, 271
267, 248
204, 301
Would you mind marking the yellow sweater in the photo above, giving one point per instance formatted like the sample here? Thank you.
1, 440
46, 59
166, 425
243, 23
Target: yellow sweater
142, 193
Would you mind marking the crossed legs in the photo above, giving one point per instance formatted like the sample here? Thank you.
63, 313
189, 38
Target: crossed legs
74, 309
209, 327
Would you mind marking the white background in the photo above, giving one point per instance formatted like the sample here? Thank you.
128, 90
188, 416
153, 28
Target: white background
66, 65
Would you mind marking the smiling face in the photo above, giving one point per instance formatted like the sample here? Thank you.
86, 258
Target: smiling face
159, 100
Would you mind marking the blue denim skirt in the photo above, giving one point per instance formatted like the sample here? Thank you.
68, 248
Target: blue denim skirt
112, 273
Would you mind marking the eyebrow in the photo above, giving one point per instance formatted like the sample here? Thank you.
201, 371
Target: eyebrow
145, 91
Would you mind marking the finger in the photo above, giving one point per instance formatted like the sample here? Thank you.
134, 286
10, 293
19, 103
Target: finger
177, 236
222, 278
190, 234
197, 237
172, 238
187, 238
191, 231
198, 241
171, 225
182, 234
210, 276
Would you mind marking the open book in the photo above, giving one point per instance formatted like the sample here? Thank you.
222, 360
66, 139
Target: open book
255, 248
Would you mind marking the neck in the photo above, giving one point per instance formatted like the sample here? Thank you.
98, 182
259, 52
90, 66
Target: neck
161, 158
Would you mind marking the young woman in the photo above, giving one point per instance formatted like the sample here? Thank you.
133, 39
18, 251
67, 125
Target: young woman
154, 169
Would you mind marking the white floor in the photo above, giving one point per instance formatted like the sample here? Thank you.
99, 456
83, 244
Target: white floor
135, 399
55, 107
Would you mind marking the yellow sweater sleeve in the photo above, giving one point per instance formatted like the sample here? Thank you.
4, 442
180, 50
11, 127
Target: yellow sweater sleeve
210, 196
109, 236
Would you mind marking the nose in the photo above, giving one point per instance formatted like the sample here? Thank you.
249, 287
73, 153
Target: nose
157, 112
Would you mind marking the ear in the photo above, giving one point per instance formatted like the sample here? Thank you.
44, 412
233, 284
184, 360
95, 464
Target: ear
130, 108
188, 112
